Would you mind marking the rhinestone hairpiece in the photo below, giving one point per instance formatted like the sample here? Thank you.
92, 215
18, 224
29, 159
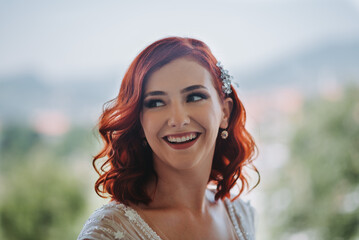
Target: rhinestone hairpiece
226, 79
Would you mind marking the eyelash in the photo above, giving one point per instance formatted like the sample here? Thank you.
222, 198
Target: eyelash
192, 95
152, 103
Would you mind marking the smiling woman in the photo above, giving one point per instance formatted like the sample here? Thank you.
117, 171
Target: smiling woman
181, 102
176, 127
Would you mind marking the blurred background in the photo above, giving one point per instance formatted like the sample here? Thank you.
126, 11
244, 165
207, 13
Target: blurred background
297, 67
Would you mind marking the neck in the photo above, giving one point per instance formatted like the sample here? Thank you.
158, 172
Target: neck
181, 189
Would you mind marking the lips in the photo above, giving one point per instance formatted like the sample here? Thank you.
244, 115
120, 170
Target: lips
182, 141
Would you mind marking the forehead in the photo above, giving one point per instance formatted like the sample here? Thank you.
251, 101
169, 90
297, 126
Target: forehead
179, 74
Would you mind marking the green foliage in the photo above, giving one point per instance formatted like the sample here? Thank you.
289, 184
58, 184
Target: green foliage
321, 180
40, 196
40, 203
15, 143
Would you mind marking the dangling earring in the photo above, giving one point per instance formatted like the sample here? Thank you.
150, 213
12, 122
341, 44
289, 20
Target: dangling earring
224, 134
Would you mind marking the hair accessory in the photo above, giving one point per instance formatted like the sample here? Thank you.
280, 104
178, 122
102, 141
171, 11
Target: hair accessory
226, 79
224, 134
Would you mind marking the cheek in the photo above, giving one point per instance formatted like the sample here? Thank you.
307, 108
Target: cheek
149, 124
209, 116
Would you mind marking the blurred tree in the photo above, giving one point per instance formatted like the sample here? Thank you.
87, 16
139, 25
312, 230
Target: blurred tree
78, 139
15, 143
40, 196
317, 191
40, 201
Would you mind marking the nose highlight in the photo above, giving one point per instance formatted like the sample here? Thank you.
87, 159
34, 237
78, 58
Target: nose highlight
178, 117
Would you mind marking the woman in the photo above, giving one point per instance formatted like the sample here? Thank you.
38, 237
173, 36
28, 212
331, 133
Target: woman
176, 128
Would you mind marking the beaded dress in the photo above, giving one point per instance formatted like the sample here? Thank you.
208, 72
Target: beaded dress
116, 221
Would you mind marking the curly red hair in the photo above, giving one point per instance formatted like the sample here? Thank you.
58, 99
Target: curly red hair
129, 164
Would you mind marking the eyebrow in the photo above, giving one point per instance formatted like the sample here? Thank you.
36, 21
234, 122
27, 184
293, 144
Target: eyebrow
187, 89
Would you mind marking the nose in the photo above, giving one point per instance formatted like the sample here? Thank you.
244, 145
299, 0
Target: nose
178, 116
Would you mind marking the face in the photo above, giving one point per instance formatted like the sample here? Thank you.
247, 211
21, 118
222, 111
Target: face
182, 114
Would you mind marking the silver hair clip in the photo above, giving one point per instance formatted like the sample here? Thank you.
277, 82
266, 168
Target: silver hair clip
226, 79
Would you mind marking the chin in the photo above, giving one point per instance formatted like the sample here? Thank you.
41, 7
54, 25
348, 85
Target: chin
178, 163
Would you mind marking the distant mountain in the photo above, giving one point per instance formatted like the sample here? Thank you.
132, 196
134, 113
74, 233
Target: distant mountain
308, 68
24, 95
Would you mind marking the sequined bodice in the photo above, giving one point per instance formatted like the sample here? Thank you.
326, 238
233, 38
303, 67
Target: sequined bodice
116, 221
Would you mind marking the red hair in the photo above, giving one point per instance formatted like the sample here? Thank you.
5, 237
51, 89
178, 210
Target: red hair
129, 163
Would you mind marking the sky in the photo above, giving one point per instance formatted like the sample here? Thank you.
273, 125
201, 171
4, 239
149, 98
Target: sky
61, 39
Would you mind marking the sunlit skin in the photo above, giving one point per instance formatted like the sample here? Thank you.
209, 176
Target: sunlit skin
181, 101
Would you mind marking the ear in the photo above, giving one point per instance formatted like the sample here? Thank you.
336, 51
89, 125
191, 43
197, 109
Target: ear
226, 109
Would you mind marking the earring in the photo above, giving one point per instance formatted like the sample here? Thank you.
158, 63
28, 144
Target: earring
224, 134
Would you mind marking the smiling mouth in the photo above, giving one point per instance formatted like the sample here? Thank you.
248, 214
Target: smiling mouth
181, 139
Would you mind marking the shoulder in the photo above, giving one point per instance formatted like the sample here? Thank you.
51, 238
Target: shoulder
245, 215
245, 209
110, 222
241, 210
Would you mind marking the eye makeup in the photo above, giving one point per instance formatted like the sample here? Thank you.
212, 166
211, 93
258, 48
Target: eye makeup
153, 103
196, 96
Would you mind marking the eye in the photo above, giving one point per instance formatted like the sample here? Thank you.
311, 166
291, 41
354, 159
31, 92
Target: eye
153, 103
194, 97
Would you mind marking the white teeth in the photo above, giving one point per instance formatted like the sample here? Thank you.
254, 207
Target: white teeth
181, 139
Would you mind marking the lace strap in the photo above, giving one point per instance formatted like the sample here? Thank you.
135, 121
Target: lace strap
240, 231
136, 219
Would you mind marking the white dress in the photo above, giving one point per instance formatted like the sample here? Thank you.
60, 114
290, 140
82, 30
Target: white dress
116, 221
